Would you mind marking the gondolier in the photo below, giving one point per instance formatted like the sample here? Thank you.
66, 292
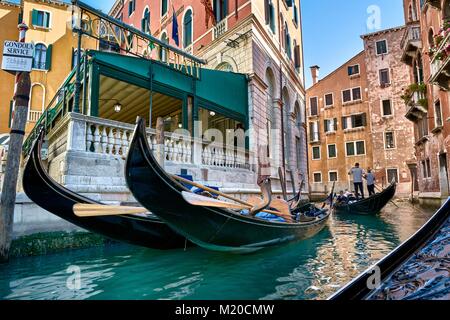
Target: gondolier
358, 174
370, 178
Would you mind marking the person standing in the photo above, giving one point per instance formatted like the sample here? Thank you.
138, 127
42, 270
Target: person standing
370, 177
358, 174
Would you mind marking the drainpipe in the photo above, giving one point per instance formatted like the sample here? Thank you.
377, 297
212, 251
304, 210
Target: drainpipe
283, 154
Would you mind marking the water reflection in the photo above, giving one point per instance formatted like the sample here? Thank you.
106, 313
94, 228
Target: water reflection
311, 269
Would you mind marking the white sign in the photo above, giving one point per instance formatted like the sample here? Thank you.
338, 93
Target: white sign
18, 49
17, 56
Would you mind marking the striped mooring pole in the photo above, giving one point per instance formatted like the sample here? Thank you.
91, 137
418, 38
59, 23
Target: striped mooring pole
8, 196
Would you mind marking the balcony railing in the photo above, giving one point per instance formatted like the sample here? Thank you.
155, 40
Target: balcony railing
33, 115
411, 42
440, 64
112, 138
220, 28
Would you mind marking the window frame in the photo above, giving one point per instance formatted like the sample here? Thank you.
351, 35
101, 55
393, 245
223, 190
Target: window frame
164, 14
192, 27
355, 148
351, 95
335, 151
310, 106
382, 108
389, 77
387, 174
441, 116
320, 174
325, 100
385, 140
329, 175
376, 47
355, 74
134, 7
312, 153
45, 58
50, 18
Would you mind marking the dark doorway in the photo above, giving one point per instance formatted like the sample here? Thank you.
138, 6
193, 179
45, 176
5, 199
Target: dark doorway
443, 174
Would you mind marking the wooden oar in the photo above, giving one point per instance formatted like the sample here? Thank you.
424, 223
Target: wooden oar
197, 200
381, 190
97, 210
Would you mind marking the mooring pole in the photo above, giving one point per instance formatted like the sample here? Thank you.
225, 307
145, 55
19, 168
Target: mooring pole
20, 114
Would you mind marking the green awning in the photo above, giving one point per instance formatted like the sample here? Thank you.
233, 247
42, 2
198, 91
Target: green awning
221, 90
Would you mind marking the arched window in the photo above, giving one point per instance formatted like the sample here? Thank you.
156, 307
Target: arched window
225, 66
145, 24
37, 97
40, 56
164, 7
162, 50
287, 41
187, 29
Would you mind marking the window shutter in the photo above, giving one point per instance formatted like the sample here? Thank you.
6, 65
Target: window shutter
288, 3
48, 58
34, 17
364, 119
335, 124
297, 56
325, 123
344, 123
353, 121
267, 10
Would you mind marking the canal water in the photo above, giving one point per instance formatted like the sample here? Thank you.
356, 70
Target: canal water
311, 269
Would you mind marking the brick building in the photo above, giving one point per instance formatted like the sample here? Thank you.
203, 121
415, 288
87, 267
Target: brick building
356, 114
339, 134
425, 51
262, 39
392, 133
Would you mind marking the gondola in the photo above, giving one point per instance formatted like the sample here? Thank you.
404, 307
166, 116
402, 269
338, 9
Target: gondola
371, 205
408, 255
211, 228
143, 230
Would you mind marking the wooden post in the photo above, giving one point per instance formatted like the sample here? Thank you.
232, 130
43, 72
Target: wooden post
8, 198
159, 147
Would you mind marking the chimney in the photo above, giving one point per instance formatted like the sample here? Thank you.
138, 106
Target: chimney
315, 74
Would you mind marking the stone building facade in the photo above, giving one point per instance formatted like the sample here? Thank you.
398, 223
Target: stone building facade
339, 125
370, 130
249, 37
392, 133
425, 51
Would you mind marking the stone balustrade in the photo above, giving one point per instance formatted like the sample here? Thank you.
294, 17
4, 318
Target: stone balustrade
103, 136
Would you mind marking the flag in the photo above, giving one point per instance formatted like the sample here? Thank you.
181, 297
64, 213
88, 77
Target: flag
175, 28
209, 12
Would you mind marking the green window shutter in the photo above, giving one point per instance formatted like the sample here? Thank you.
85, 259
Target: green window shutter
48, 57
267, 11
143, 25
34, 17
288, 3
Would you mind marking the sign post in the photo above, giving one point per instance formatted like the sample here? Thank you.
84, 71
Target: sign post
20, 113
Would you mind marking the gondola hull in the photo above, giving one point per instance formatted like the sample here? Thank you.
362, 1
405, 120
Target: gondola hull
147, 231
368, 206
211, 228
358, 289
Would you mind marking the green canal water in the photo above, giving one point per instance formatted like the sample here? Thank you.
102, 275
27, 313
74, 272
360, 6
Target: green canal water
311, 269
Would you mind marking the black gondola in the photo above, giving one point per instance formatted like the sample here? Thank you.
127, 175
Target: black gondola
358, 289
143, 230
212, 228
371, 205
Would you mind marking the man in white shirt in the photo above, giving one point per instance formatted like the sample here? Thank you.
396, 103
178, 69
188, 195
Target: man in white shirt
358, 174
370, 177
